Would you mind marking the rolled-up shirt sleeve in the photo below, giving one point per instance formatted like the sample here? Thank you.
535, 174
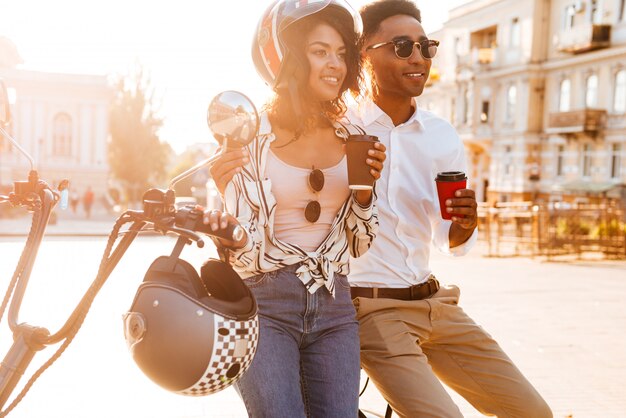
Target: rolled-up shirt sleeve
236, 205
361, 226
441, 239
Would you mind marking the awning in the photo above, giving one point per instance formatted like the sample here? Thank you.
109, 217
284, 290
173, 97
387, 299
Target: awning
581, 186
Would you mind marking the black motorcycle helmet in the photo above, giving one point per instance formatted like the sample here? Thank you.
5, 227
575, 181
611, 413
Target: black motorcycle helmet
192, 335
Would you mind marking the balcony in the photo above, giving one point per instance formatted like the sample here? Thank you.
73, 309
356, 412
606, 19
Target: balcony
584, 38
588, 121
485, 55
616, 121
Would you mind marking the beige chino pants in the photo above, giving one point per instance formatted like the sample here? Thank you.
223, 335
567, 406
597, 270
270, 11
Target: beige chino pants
407, 347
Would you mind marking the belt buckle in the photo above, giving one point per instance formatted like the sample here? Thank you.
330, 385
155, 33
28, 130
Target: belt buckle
433, 285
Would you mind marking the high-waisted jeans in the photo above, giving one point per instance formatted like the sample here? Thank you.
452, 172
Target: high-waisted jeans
307, 360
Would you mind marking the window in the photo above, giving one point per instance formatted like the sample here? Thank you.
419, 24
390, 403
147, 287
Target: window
570, 12
515, 32
619, 98
484, 113
508, 160
596, 16
511, 103
466, 105
62, 140
560, 156
591, 95
616, 160
453, 111
457, 47
586, 160
564, 95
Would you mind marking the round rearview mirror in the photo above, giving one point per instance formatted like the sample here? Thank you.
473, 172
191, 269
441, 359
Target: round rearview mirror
5, 108
233, 119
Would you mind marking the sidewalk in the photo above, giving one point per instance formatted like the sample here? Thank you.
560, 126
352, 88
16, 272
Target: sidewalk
67, 225
562, 323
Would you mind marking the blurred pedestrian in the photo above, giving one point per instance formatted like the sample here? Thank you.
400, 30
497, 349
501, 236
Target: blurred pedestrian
74, 199
88, 198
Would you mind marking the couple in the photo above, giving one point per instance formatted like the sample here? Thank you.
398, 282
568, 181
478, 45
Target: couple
407, 331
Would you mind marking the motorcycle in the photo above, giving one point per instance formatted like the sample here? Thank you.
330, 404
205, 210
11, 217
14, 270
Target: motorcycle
233, 118
234, 122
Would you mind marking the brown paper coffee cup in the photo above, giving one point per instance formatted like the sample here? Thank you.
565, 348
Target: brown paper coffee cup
359, 176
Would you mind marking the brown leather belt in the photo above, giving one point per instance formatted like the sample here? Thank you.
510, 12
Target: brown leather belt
419, 291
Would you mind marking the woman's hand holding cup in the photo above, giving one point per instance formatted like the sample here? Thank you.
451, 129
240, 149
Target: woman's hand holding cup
366, 158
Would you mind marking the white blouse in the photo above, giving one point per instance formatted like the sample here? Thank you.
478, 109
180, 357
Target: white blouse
293, 193
250, 199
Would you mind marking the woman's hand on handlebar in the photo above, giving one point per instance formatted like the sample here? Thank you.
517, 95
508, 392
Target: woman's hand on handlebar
218, 220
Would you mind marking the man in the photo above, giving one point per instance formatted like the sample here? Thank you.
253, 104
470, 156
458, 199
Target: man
413, 333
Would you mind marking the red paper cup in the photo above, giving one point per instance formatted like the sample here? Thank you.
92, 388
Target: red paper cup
449, 182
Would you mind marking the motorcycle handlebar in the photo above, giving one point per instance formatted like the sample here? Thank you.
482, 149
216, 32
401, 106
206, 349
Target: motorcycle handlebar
189, 213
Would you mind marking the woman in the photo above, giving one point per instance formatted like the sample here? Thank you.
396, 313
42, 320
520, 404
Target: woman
301, 219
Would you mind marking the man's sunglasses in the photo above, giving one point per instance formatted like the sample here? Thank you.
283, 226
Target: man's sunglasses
404, 47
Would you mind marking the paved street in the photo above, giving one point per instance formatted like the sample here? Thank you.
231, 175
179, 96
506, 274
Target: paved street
563, 324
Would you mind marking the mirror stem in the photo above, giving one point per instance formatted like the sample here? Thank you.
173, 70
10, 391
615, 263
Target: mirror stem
192, 170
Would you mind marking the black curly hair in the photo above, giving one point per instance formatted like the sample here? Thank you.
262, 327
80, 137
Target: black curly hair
281, 109
374, 13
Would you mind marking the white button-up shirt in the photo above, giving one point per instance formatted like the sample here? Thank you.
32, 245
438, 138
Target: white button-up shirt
408, 206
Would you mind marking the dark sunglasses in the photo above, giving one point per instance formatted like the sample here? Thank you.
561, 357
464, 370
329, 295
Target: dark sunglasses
404, 47
316, 183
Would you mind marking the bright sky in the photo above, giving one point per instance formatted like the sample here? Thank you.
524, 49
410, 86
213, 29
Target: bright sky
193, 49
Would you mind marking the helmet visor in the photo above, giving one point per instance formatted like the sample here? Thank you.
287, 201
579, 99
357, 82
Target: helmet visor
295, 10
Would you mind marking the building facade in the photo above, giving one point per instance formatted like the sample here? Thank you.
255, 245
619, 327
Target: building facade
61, 120
537, 91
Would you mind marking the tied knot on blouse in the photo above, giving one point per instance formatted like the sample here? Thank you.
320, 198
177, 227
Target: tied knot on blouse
317, 271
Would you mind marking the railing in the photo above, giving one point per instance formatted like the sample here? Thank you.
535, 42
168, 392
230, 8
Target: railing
584, 38
484, 55
477, 58
616, 121
577, 121
523, 228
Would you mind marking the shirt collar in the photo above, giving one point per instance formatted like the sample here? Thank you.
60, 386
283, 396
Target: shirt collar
370, 113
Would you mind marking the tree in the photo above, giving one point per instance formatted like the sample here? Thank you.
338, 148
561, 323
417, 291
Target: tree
137, 156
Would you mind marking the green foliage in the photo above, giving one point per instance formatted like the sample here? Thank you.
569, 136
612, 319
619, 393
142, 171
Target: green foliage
568, 226
611, 228
137, 156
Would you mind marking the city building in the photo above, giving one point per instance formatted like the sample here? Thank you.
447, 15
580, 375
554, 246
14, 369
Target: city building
61, 120
537, 92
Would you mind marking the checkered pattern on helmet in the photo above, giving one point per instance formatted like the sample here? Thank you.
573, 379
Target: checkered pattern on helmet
223, 356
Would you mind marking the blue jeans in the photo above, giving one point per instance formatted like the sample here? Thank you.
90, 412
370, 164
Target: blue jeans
307, 360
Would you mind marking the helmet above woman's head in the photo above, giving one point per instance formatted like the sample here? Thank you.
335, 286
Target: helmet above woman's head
273, 44
279, 54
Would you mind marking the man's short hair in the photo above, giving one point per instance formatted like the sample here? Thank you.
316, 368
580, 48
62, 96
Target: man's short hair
377, 11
